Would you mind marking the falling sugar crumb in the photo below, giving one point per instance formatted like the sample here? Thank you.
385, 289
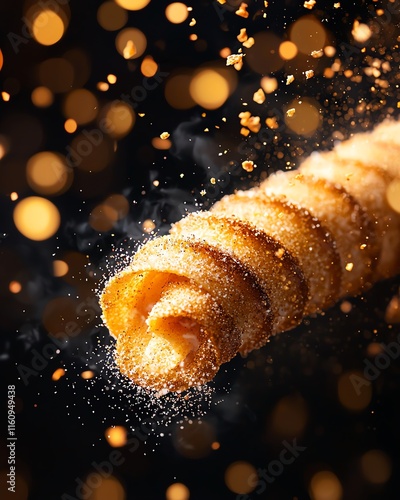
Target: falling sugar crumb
234, 59
242, 36
289, 79
242, 11
317, 53
259, 96
290, 112
192, 22
249, 42
349, 266
309, 74
361, 32
164, 135
248, 165
309, 4
129, 50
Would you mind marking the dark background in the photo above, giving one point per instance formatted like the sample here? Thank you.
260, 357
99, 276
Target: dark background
299, 385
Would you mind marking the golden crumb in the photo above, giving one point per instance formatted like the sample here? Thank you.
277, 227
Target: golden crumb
317, 53
213, 180
280, 253
234, 59
259, 96
349, 266
164, 135
221, 1
361, 32
309, 4
244, 131
272, 122
309, 74
192, 22
249, 42
238, 66
242, 10
148, 226
248, 165
290, 112
242, 36
336, 5
129, 50
289, 79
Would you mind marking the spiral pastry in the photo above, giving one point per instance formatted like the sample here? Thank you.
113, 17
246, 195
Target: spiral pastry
260, 260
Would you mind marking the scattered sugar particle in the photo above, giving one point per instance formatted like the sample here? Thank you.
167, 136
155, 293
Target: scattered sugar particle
192, 22
248, 165
238, 66
309, 74
349, 266
164, 135
206, 129
234, 59
244, 131
249, 43
265, 3
242, 36
259, 96
129, 50
148, 226
254, 124
317, 53
156, 183
5, 96
223, 119
242, 10
309, 4
290, 112
280, 253
336, 5
398, 104
203, 192
272, 122
361, 32
289, 79
363, 246
181, 176
212, 180
244, 116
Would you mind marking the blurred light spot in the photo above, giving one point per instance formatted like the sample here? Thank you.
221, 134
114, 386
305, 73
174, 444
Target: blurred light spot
104, 488
81, 64
193, 439
90, 151
60, 268
133, 4
70, 125
81, 105
1, 59
288, 50
42, 97
354, 391
361, 32
87, 374
36, 218
148, 226
289, 417
60, 316
135, 37
47, 27
392, 313
111, 79
14, 196
306, 117
376, 466
56, 74
225, 52
373, 349
264, 56
176, 12
325, 485
5, 96
103, 86
116, 436
215, 445
47, 173
148, 67
177, 91
15, 286
60, 372
308, 34
111, 16
177, 491
239, 477
209, 89
119, 204
103, 217
120, 119
329, 51
393, 195
159, 143
4, 146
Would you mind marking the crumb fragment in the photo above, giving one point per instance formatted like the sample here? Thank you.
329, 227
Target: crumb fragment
259, 96
192, 22
213, 180
221, 1
309, 4
242, 10
248, 165
309, 74
280, 253
234, 59
244, 131
349, 266
129, 50
290, 112
249, 121
242, 36
289, 79
249, 42
361, 32
164, 135
336, 5
317, 53
272, 122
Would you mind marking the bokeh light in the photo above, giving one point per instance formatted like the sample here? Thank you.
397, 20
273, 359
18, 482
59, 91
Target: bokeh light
177, 491
194, 439
36, 218
57, 74
306, 117
91, 151
177, 91
176, 12
393, 195
103, 217
133, 38
60, 268
241, 477
120, 119
133, 4
15, 286
308, 34
325, 485
148, 67
70, 125
42, 97
288, 50
116, 436
354, 391
87, 374
81, 105
376, 466
289, 418
59, 373
104, 488
111, 16
1, 59
263, 57
209, 89
47, 173
47, 27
